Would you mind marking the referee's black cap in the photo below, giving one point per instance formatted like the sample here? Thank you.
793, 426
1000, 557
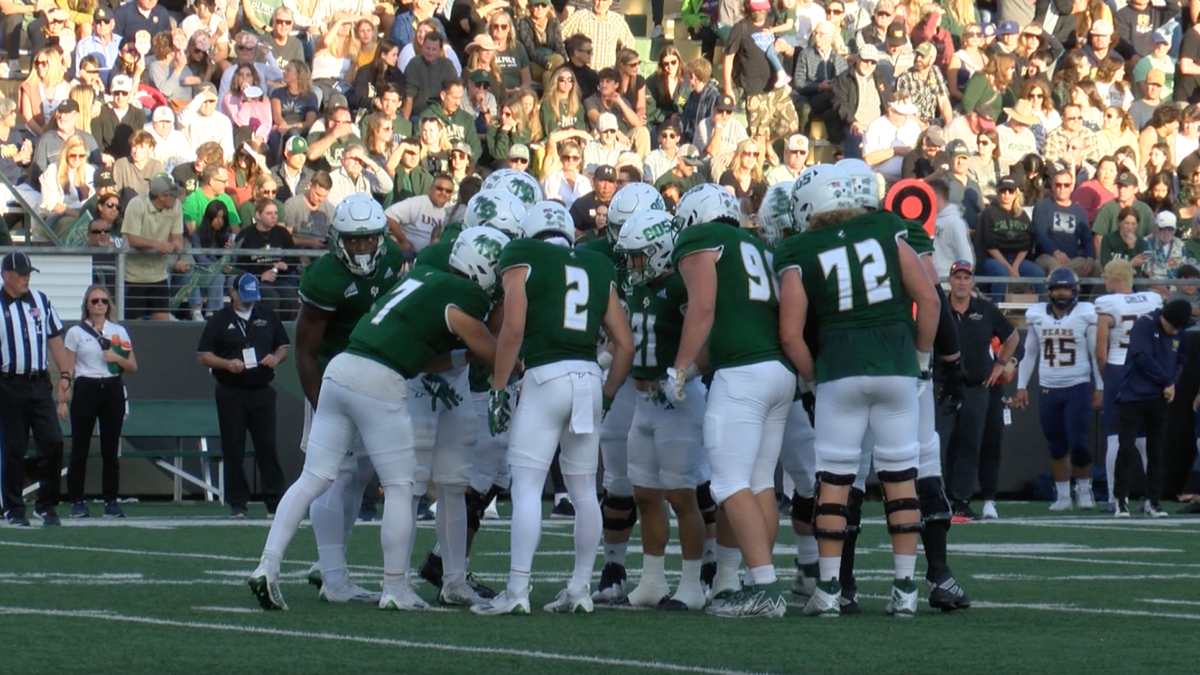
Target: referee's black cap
18, 262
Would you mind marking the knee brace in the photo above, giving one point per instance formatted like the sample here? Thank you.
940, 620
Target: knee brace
706, 502
932, 496
891, 506
830, 510
854, 504
626, 505
803, 508
475, 508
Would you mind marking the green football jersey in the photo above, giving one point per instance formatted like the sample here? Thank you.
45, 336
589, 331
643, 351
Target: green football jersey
605, 248
856, 297
746, 326
329, 286
436, 255
918, 238
408, 326
656, 320
567, 291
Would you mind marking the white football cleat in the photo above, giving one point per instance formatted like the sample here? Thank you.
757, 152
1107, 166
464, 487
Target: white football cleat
505, 603
826, 600
459, 594
349, 594
989, 511
566, 603
404, 598
265, 588
903, 603
1062, 503
806, 580
1086, 501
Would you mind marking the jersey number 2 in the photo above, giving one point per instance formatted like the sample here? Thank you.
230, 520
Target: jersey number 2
399, 294
575, 311
869, 254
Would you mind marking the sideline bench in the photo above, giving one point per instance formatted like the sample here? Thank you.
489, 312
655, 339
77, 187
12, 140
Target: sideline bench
183, 420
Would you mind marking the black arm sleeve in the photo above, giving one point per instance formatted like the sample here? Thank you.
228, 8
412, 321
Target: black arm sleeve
945, 342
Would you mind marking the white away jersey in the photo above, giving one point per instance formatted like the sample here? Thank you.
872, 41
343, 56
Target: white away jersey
1124, 308
1063, 349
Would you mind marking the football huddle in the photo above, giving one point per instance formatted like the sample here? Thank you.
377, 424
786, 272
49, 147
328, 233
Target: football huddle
692, 354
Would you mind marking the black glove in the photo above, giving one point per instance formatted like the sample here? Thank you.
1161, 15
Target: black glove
951, 395
809, 401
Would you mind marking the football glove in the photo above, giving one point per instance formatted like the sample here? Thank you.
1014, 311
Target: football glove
605, 406
673, 387
951, 395
809, 400
441, 390
499, 411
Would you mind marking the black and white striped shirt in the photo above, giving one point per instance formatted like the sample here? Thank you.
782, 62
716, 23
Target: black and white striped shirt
26, 326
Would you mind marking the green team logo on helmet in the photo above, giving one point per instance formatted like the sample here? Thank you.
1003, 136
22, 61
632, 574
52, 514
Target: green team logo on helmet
665, 228
522, 190
485, 209
489, 247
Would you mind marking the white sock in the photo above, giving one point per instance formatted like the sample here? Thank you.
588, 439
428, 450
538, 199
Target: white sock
806, 549
830, 567
729, 560
762, 576
329, 529
1085, 485
526, 525
288, 515
353, 499
906, 566
1063, 488
710, 551
396, 533
452, 532
652, 570
615, 553
588, 519
689, 579
1110, 464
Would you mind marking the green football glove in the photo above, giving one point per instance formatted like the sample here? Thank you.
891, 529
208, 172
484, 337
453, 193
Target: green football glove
499, 412
441, 390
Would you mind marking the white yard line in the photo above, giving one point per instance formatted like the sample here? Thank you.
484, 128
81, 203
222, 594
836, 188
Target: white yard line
374, 641
1072, 609
1165, 601
984, 576
227, 610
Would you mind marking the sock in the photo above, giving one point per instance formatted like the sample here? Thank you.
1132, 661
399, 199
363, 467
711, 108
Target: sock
830, 567
689, 579
396, 533
652, 570
288, 515
329, 529
615, 553
1084, 485
526, 526
452, 537
762, 576
710, 551
1063, 488
806, 549
933, 538
352, 499
729, 559
1110, 464
906, 566
582, 490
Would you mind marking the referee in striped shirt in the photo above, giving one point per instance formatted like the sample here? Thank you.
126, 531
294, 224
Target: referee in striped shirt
30, 334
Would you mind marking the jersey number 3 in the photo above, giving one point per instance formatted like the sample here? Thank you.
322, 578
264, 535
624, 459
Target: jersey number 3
869, 257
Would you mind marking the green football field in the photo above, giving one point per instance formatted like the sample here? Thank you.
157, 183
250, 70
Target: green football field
164, 592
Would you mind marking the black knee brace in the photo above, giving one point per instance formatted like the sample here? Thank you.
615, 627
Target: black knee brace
830, 510
618, 504
475, 508
802, 508
854, 506
706, 502
935, 506
891, 506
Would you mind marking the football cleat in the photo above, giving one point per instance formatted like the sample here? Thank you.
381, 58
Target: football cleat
750, 602
111, 510
649, 594
963, 513
314, 576
80, 510
491, 513
1153, 510
505, 603
1063, 503
1121, 509
903, 602
849, 603
479, 588
265, 588
989, 511
563, 510
947, 595
683, 600
459, 594
612, 585
565, 603
349, 594
826, 600
431, 569
404, 598
708, 573
806, 580
1086, 501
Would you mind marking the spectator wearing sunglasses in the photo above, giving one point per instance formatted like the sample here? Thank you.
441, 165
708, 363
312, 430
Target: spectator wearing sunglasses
413, 220
100, 235
103, 43
568, 183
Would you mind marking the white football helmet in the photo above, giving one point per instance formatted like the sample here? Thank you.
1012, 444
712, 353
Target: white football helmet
775, 214
545, 218
820, 188
476, 252
631, 199
358, 215
495, 208
517, 183
652, 234
707, 203
863, 182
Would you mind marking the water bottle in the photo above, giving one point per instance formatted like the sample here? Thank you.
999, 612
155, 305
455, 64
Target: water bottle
122, 350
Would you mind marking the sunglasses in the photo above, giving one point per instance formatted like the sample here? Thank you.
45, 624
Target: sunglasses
750, 153
1062, 185
518, 160
572, 158
1073, 118
1036, 94
971, 34
670, 62
41, 62
104, 231
633, 64
269, 192
74, 155
501, 26
1007, 191
669, 134
108, 205
282, 22
567, 80
98, 301
835, 12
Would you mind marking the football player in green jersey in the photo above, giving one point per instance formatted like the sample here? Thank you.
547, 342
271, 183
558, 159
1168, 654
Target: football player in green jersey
364, 390
854, 277
666, 447
335, 292
617, 505
556, 299
733, 307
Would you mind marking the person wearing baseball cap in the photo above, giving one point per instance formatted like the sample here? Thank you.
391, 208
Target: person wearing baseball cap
1157, 57
795, 158
1006, 230
585, 209
111, 127
1100, 41
926, 85
686, 172
1108, 219
877, 31
518, 157
1151, 96
102, 42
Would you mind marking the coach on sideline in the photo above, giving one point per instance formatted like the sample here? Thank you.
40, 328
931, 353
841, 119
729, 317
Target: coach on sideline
30, 333
961, 431
242, 345
1157, 351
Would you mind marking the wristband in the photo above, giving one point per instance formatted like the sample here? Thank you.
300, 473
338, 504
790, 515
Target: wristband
64, 376
458, 358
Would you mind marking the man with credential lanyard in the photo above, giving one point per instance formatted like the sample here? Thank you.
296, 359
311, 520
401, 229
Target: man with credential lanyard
242, 345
